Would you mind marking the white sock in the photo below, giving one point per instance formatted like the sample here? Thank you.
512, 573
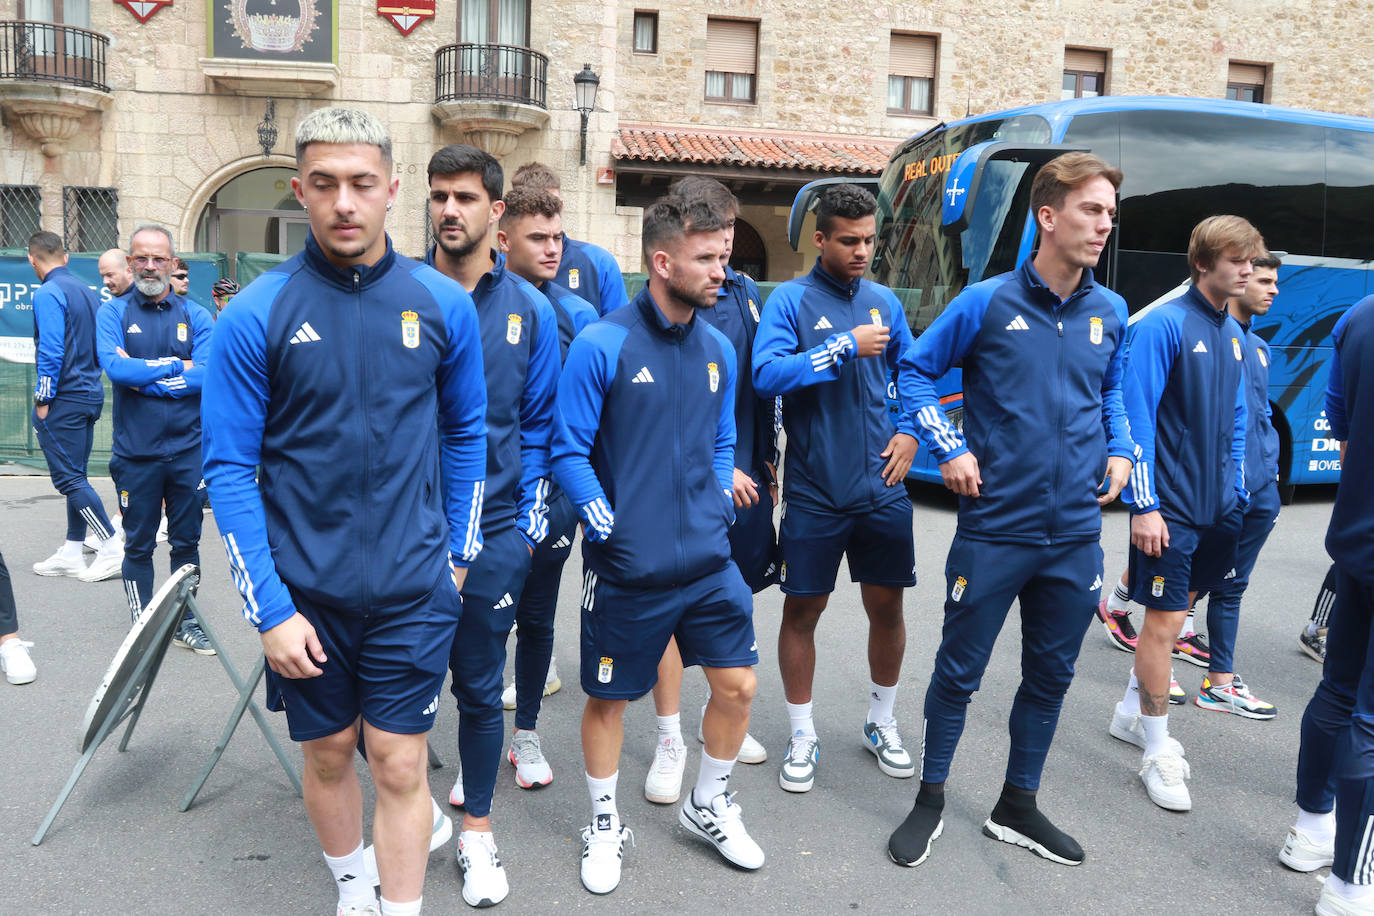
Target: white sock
350, 877
712, 779
1119, 599
1130, 703
880, 700
670, 728
70, 550
1317, 826
603, 794
799, 715
392, 908
1156, 733
1187, 626
1348, 891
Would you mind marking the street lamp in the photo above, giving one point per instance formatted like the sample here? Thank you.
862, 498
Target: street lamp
267, 129
585, 83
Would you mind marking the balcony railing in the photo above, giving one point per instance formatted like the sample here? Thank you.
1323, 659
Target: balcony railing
51, 53
502, 73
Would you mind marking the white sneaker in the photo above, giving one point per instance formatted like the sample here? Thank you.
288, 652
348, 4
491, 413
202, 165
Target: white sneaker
1130, 729
603, 850
663, 785
61, 564
105, 565
886, 744
93, 543
364, 909
1302, 853
508, 697
1164, 775
552, 684
484, 880
15, 661
455, 795
1333, 903
440, 833
721, 825
532, 771
751, 751
798, 771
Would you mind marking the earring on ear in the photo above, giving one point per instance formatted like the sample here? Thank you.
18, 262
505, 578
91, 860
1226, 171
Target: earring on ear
388, 206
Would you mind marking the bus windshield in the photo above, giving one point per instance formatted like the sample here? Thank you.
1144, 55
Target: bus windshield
914, 255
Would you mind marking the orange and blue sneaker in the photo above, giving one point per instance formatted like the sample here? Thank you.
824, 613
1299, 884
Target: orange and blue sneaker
1177, 695
1234, 698
1192, 648
1120, 631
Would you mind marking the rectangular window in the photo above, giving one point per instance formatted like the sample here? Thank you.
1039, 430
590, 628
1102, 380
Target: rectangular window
1246, 82
646, 32
732, 51
90, 218
911, 75
20, 214
1085, 74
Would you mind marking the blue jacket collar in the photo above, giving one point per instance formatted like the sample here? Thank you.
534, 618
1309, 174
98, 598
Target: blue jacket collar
654, 317
137, 298
849, 288
1031, 277
341, 277
1194, 297
492, 277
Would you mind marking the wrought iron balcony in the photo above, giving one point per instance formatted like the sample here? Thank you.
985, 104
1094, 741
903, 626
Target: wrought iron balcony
45, 52
501, 73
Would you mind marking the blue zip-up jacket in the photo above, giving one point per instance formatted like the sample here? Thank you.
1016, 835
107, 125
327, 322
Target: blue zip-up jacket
1186, 405
520, 361
834, 406
1043, 406
590, 272
574, 313
644, 445
1350, 408
331, 380
156, 399
736, 315
64, 311
1261, 439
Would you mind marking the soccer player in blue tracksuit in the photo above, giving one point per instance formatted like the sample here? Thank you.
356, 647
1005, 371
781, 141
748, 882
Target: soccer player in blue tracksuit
154, 345
1185, 400
531, 237
1044, 431
753, 544
1222, 689
353, 378
67, 400
520, 358
644, 446
1336, 755
846, 462
587, 270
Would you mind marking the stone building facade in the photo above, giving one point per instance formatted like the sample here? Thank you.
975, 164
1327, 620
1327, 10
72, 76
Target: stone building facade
175, 119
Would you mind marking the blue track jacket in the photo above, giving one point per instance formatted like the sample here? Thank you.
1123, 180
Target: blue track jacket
1350, 408
332, 381
520, 361
834, 406
1186, 405
64, 311
644, 445
1261, 439
1042, 403
589, 271
736, 315
156, 399
574, 313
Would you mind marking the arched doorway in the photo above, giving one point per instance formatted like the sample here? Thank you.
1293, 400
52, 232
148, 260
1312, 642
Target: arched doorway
254, 212
748, 255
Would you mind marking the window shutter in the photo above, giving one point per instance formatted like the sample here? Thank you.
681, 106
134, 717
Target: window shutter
1085, 61
912, 55
731, 46
1246, 74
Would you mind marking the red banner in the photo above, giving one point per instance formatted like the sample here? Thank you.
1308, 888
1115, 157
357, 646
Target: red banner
406, 14
143, 9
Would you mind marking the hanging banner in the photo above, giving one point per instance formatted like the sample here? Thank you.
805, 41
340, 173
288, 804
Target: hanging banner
406, 14
143, 9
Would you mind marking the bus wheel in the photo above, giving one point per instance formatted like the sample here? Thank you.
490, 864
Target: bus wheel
1286, 492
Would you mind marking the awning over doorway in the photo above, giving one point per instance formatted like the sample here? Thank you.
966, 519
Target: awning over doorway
638, 145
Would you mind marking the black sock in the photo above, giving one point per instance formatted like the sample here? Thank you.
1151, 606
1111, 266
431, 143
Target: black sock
1016, 810
911, 842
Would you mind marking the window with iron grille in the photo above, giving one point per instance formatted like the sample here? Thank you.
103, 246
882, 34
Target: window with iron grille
90, 218
20, 214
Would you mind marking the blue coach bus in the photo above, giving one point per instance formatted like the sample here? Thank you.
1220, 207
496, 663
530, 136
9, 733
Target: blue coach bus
954, 209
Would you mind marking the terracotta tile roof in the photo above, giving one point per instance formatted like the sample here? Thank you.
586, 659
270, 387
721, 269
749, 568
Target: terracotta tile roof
853, 155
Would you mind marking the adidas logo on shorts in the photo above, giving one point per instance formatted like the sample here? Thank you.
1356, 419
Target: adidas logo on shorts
506, 601
433, 706
561, 543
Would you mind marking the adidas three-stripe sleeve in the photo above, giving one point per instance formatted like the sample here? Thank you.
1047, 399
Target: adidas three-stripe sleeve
587, 376
778, 367
942, 346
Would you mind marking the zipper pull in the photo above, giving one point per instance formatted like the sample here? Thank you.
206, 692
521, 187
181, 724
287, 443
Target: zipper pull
356, 280
1061, 329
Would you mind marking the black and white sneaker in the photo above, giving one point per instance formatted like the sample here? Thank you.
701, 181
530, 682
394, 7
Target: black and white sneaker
720, 825
910, 843
1016, 820
603, 849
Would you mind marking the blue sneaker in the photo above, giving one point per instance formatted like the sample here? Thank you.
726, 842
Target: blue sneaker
886, 745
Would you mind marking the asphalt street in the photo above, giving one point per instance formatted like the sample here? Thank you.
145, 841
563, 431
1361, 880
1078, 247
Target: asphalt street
120, 845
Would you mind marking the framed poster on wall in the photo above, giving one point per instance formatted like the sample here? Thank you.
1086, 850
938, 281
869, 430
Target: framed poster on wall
285, 30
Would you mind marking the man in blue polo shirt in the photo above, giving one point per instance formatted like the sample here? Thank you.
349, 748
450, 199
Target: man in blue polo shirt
154, 345
843, 489
67, 400
644, 447
1044, 431
519, 333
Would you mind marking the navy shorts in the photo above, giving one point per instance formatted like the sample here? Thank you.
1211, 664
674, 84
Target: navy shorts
879, 544
1197, 559
389, 668
753, 543
625, 630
